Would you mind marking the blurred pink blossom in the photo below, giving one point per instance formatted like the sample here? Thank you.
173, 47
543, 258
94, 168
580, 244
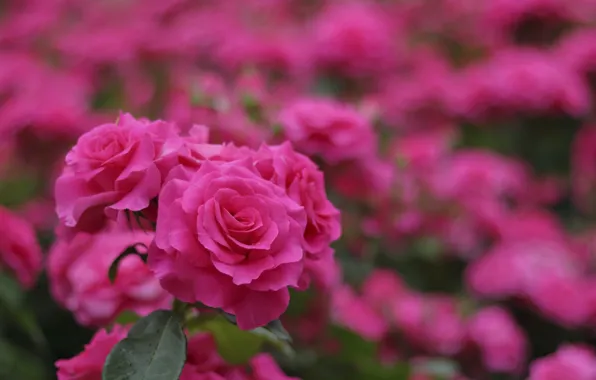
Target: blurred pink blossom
501, 341
569, 362
20, 252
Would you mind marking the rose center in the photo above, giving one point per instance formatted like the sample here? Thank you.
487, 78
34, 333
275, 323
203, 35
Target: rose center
105, 146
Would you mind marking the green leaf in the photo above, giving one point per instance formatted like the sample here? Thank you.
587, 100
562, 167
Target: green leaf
12, 304
353, 346
11, 293
273, 333
230, 318
252, 107
299, 302
12, 367
428, 248
327, 86
197, 98
278, 330
359, 358
373, 370
281, 345
16, 191
438, 367
277, 129
131, 250
234, 345
127, 317
155, 349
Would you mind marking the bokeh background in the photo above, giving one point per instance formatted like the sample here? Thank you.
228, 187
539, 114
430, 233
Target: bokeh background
457, 137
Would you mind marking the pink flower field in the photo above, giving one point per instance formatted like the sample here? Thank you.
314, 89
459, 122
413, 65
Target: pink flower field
298, 189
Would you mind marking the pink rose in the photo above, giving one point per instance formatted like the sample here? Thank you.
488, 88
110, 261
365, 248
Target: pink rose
535, 22
229, 239
304, 183
522, 266
193, 154
40, 213
354, 39
88, 365
265, 368
501, 341
517, 82
535, 223
113, 168
562, 299
328, 129
371, 178
202, 360
19, 249
323, 270
432, 322
196, 97
204, 363
577, 49
78, 274
382, 288
353, 312
301, 180
569, 362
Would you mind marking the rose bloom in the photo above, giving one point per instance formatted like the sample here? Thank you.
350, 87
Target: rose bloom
263, 367
519, 267
301, 180
569, 362
432, 322
501, 341
19, 250
202, 360
354, 313
328, 129
113, 168
562, 300
230, 239
354, 39
88, 365
304, 183
204, 363
518, 82
78, 273
381, 286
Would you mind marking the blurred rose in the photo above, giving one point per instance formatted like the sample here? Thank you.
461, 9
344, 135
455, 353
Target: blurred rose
265, 368
19, 250
382, 289
353, 39
202, 361
116, 167
351, 311
305, 184
78, 273
575, 362
431, 322
517, 83
501, 341
328, 129
88, 365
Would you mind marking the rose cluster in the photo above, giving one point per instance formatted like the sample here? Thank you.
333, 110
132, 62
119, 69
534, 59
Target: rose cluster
203, 361
235, 228
457, 137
